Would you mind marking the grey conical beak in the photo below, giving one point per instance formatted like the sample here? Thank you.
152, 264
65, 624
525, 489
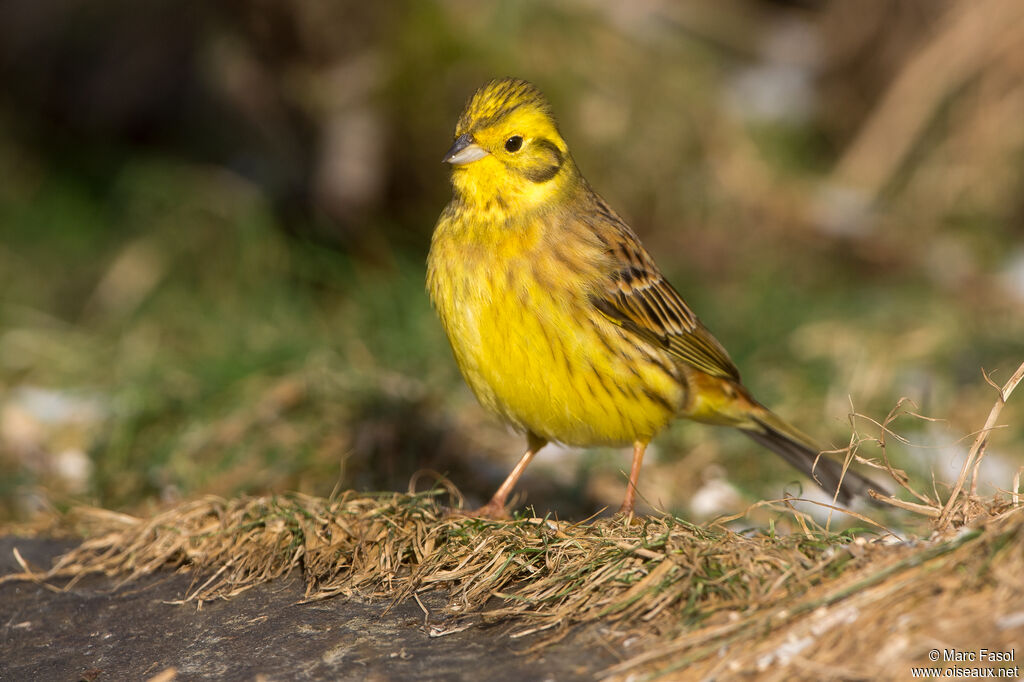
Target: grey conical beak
464, 150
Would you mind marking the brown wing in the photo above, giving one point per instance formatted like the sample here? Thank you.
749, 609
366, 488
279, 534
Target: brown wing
637, 297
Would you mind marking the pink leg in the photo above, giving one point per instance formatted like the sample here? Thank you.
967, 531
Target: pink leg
634, 476
495, 509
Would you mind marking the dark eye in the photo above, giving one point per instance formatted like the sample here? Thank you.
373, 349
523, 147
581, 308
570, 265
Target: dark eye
514, 143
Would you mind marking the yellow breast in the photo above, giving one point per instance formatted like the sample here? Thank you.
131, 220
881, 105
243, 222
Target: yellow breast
514, 302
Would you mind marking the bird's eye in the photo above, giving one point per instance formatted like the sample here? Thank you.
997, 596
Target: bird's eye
514, 143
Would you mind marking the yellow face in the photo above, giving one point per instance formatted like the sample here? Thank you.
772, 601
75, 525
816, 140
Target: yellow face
508, 150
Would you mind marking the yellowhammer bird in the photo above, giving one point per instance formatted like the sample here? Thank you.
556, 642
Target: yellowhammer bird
560, 320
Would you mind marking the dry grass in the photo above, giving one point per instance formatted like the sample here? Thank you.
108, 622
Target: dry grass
961, 507
706, 599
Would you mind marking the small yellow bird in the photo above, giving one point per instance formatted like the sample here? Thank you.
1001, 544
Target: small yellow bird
560, 320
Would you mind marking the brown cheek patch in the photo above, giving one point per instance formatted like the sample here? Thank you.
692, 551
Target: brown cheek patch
545, 172
542, 174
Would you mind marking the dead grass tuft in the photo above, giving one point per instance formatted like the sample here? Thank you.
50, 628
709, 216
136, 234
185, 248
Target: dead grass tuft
396, 544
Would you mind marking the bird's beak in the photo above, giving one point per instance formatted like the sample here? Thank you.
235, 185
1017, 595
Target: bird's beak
464, 150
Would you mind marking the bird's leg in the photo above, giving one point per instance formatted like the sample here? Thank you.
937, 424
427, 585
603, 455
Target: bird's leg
634, 475
495, 509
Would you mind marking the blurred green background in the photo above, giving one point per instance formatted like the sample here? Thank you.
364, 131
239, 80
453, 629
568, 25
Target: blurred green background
214, 219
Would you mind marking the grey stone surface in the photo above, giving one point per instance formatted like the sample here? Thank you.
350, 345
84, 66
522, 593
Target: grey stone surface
94, 632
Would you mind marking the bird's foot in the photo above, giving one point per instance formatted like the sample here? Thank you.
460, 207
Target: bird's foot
491, 510
627, 515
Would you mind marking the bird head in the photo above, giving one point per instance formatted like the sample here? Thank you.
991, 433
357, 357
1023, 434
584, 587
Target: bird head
508, 149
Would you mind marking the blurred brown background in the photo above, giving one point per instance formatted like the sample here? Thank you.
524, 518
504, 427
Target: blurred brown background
213, 220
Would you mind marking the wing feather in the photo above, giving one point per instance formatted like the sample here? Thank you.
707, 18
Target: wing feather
639, 299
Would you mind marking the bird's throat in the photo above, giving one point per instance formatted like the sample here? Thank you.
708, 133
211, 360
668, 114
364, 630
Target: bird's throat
505, 196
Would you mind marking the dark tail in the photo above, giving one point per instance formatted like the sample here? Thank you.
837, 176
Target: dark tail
799, 450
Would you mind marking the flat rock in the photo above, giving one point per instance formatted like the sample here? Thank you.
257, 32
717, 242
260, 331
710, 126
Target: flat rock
96, 631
